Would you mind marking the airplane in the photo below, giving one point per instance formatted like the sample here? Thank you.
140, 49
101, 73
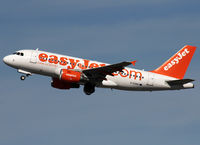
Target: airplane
70, 72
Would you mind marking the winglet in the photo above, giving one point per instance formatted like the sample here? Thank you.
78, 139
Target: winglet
133, 62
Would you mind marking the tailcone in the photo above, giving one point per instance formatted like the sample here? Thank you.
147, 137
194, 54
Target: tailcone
188, 86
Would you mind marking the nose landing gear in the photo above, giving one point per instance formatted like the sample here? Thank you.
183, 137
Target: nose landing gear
23, 77
25, 74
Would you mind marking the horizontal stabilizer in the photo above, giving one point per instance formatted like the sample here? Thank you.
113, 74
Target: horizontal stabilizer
179, 82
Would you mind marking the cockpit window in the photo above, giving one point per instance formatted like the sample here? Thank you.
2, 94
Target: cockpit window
19, 53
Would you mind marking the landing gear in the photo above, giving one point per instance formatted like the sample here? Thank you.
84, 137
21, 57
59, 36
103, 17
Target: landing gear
24, 74
89, 88
23, 77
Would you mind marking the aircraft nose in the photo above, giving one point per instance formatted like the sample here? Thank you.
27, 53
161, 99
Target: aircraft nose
7, 60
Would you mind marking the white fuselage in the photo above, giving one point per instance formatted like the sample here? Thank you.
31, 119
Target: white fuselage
51, 64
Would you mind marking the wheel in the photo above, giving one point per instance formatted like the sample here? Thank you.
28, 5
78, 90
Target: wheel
23, 78
89, 88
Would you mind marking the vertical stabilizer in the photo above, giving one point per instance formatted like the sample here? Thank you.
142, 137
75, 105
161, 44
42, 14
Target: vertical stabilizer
177, 65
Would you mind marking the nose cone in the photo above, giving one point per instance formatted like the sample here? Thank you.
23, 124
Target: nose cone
8, 60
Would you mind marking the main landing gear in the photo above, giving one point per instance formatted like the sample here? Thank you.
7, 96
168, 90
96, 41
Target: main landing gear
89, 88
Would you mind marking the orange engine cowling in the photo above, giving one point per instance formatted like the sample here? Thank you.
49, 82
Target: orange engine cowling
70, 76
59, 84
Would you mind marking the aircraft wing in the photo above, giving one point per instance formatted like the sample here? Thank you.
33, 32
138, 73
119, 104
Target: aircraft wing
100, 72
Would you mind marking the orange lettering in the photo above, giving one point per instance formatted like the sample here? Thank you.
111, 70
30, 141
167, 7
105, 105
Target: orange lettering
135, 74
102, 65
125, 74
86, 63
53, 59
73, 63
43, 57
94, 65
63, 61
115, 74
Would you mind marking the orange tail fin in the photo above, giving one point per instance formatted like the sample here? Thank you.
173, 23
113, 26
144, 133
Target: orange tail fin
177, 65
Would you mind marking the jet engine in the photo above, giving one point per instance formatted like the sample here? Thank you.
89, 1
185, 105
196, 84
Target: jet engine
71, 76
60, 84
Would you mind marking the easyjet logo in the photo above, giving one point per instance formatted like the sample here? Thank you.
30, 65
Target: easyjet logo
71, 63
177, 59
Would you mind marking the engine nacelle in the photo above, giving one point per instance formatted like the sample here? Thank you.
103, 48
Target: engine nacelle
59, 84
70, 76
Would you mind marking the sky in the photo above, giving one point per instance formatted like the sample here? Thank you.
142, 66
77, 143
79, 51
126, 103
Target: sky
111, 31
